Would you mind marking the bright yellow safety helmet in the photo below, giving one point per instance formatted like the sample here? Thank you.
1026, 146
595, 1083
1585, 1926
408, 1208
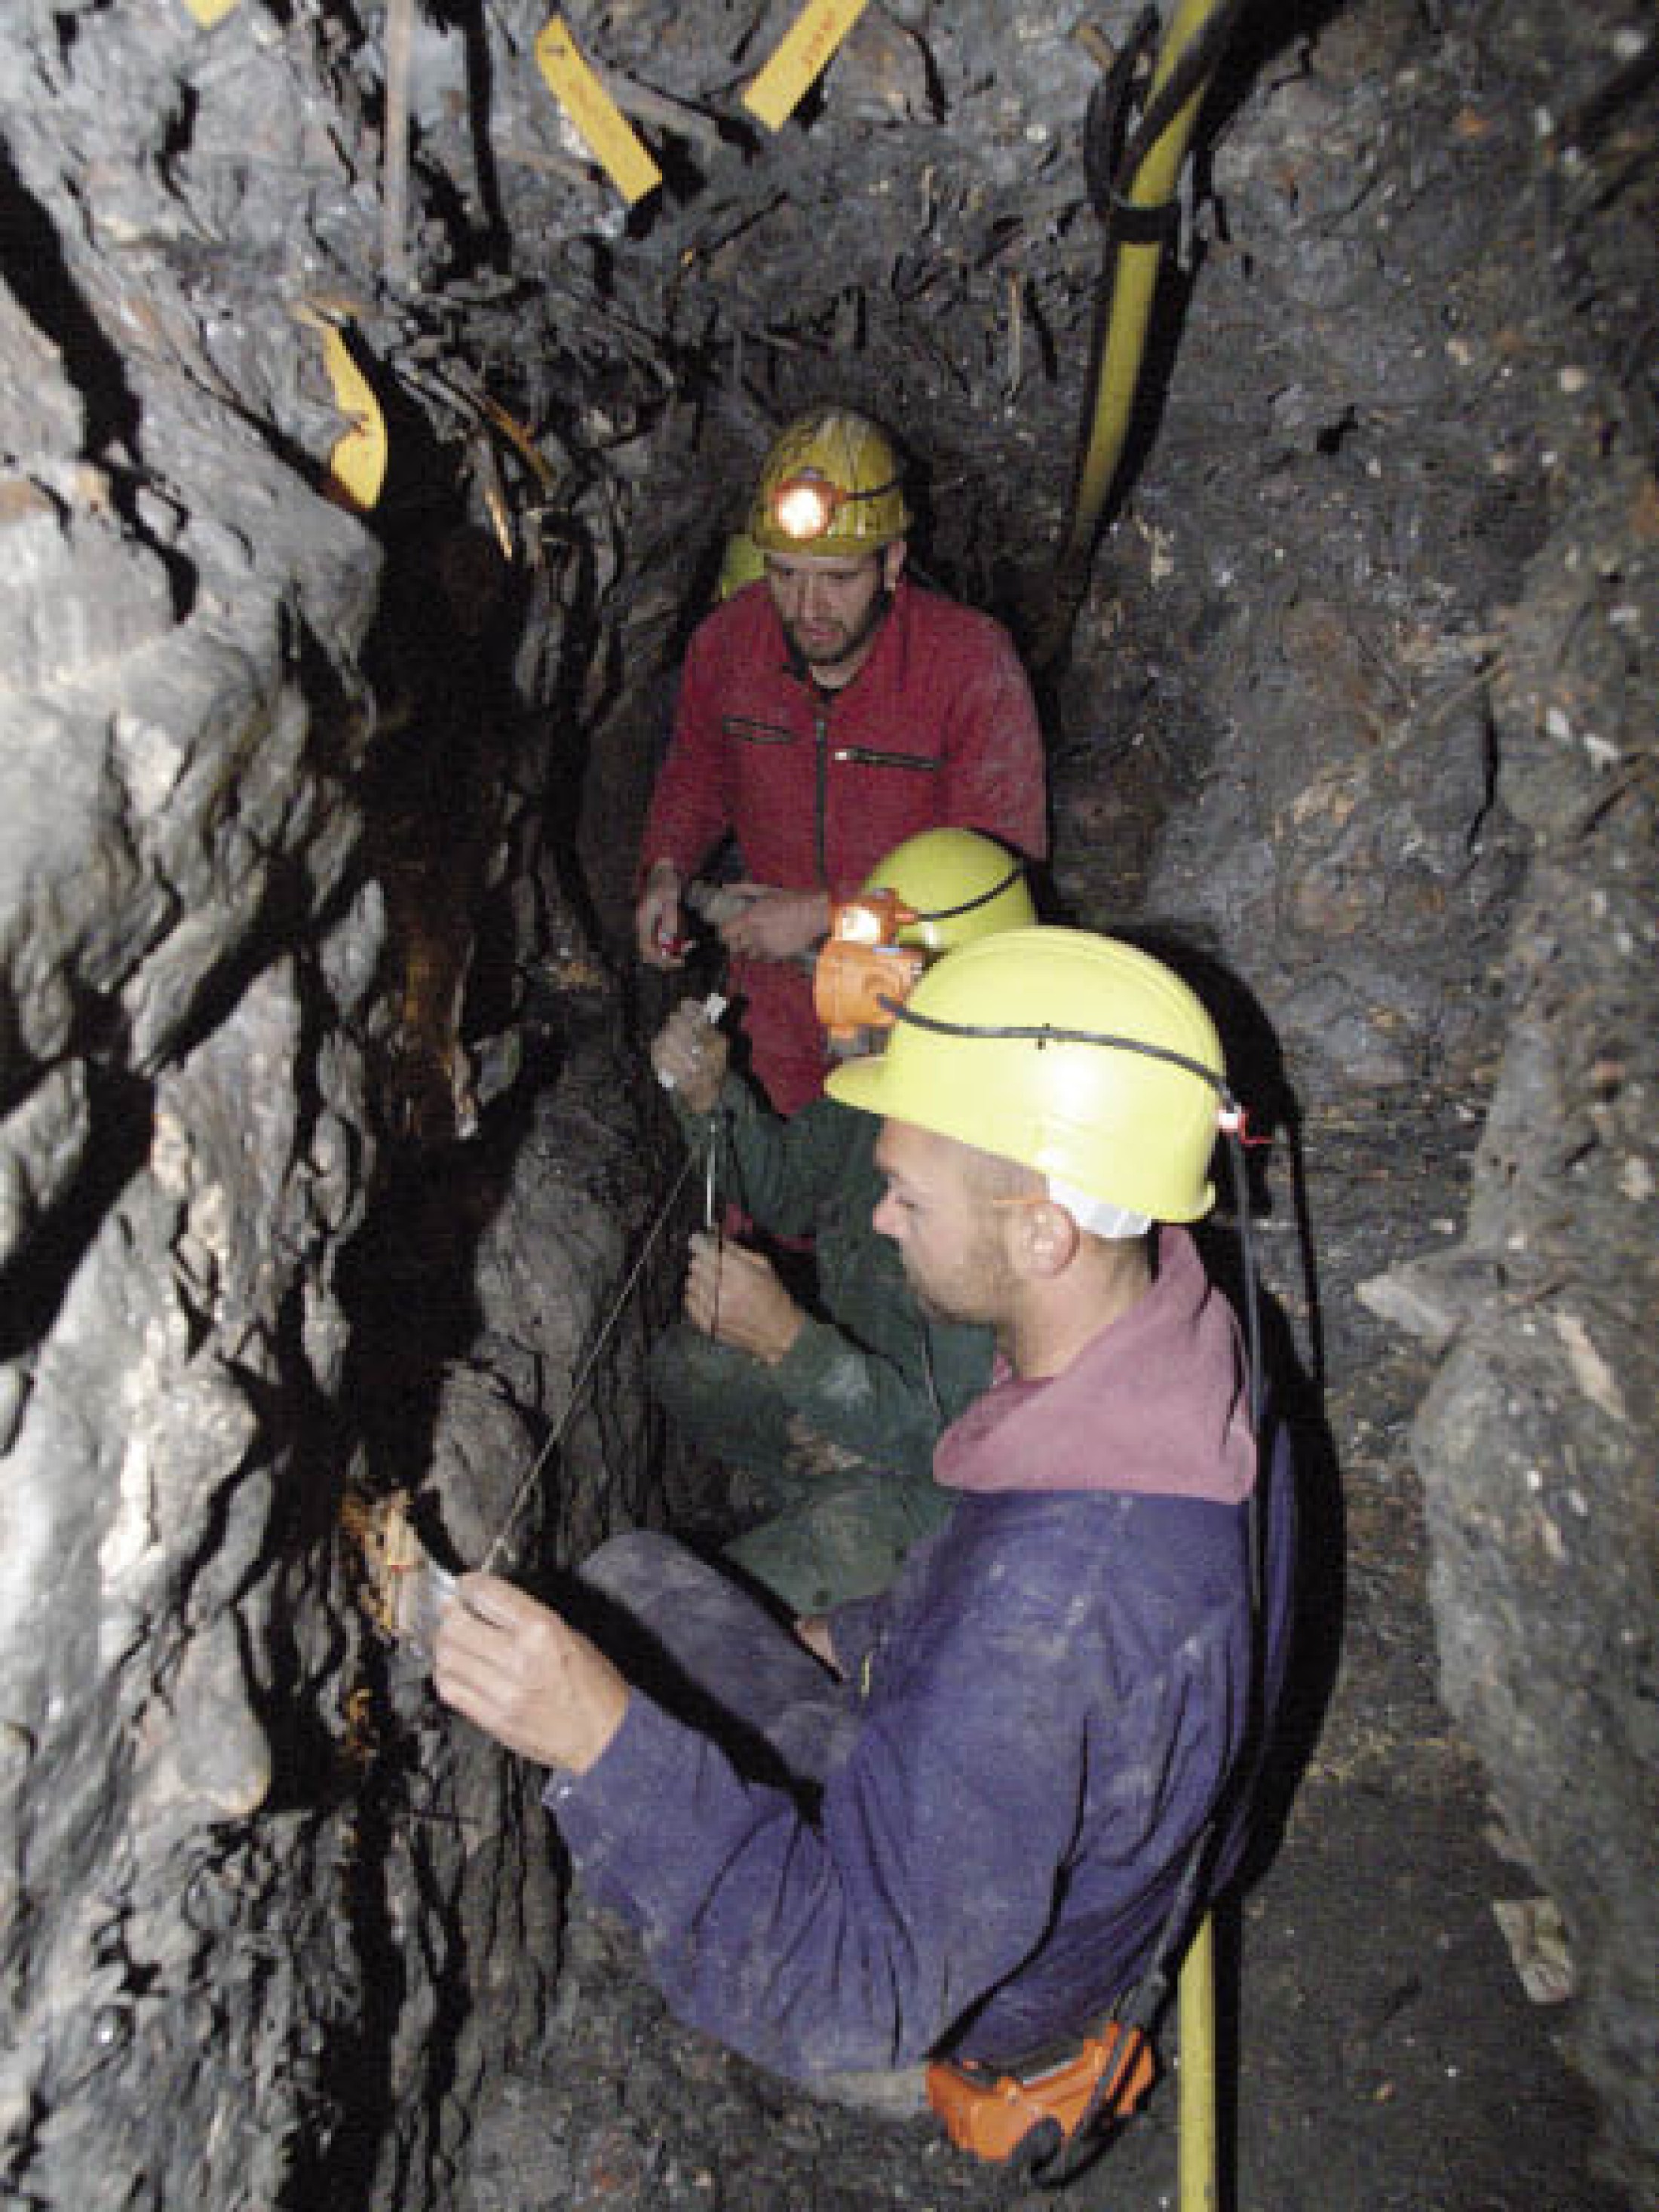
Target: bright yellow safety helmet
829, 486
959, 884
991, 1049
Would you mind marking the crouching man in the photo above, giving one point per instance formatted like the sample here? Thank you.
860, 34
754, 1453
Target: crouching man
831, 1416
983, 1783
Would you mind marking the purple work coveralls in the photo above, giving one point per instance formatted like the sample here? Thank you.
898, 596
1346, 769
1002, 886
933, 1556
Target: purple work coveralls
1036, 1723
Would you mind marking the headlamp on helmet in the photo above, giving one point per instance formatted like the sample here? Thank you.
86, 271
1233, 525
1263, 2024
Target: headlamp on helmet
863, 972
806, 506
940, 889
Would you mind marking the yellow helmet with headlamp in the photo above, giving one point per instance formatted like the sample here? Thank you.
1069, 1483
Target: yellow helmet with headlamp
957, 885
938, 890
830, 487
1083, 1057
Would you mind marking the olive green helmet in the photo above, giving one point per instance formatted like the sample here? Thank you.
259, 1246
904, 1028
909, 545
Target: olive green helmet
1080, 1056
741, 562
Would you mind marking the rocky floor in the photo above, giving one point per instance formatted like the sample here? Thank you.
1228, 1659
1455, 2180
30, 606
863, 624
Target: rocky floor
1387, 2058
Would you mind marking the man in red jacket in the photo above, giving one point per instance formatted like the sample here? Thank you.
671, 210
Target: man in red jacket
826, 713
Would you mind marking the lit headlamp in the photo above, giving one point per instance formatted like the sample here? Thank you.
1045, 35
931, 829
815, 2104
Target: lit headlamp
804, 507
862, 965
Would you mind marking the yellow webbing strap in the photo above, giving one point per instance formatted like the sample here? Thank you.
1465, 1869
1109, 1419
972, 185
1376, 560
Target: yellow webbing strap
807, 50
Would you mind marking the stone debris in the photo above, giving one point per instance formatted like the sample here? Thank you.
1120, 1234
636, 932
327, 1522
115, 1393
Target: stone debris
1538, 1945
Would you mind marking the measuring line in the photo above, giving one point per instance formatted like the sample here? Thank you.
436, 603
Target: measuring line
521, 1495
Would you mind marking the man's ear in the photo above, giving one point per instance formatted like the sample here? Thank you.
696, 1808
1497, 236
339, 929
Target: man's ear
892, 563
1044, 1239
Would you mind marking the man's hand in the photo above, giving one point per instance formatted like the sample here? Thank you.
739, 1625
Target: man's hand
775, 924
690, 1050
658, 925
734, 1296
517, 1671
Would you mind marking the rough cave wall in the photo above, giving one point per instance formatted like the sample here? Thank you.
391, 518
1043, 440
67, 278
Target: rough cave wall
255, 1900
1535, 1440
1533, 1443
237, 1319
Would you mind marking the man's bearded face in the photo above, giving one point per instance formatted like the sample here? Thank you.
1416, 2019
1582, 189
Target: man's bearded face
831, 608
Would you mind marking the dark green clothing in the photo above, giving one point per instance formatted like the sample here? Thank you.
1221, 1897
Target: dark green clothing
839, 1434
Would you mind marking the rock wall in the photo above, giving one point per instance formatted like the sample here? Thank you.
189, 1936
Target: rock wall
267, 953
1531, 1443
1534, 1441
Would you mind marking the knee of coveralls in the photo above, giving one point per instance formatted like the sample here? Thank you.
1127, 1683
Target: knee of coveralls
850, 1542
725, 1403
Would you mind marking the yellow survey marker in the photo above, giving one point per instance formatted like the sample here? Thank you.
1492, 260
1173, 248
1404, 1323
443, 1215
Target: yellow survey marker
602, 127
356, 467
209, 12
807, 49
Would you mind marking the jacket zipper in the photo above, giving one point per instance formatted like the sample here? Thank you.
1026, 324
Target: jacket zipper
821, 773
869, 756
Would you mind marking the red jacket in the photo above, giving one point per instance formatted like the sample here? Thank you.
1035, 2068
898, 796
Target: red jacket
937, 729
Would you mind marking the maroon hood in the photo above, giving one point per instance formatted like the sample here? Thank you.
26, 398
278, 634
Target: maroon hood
1155, 1404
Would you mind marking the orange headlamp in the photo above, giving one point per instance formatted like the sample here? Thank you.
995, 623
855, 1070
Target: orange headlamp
806, 506
861, 964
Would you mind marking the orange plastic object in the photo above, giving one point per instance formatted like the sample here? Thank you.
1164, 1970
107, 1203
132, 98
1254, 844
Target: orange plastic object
990, 2115
872, 918
850, 980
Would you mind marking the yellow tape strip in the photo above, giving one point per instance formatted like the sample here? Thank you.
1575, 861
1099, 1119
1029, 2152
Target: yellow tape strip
604, 129
209, 12
808, 48
356, 466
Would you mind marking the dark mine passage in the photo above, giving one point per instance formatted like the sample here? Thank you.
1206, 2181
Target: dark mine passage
384, 385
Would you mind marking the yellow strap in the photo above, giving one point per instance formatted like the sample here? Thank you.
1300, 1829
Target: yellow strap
1198, 2168
209, 12
807, 49
603, 129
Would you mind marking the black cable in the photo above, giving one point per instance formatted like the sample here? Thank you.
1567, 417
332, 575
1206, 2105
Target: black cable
981, 898
1177, 88
1042, 1033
